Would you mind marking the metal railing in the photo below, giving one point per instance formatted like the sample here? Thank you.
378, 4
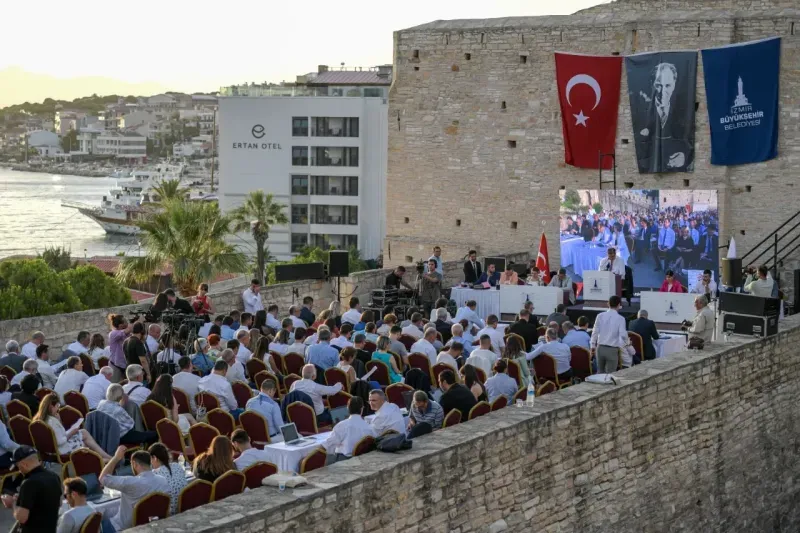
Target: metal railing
769, 246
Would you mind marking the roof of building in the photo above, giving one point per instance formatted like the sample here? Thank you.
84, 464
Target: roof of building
348, 77
139, 296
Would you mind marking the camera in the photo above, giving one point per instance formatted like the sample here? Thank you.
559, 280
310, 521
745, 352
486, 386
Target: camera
420, 267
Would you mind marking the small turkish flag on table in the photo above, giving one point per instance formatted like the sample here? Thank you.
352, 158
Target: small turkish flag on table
588, 91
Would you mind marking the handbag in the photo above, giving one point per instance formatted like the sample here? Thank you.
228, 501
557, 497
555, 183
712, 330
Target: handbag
201, 409
696, 343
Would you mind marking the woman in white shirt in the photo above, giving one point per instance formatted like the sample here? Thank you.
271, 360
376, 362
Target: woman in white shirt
281, 343
67, 441
97, 349
173, 472
262, 354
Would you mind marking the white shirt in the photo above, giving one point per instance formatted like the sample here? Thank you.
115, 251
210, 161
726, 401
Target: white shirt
388, 417
297, 347
70, 379
609, 330
251, 456
17, 379
49, 378
465, 313
347, 433
273, 322
759, 287
699, 288
342, 342
423, 346
188, 383
497, 338
203, 332
298, 322
221, 388
139, 395
77, 348
152, 344
483, 359
434, 318
168, 356
353, 316
448, 360
412, 331
244, 354
315, 391
277, 347
236, 372
252, 301
95, 390
617, 267
29, 350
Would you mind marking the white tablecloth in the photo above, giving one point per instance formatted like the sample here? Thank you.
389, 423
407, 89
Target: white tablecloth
568, 247
585, 256
488, 300
287, 458
669, 345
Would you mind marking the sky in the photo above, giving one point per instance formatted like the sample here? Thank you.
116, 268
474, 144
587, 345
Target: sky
196, 45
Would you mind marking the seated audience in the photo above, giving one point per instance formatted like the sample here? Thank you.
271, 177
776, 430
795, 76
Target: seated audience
558, 351
396, 346
347, 358
443, 326
298, 346
457, 335
473, 383
353, 314
244, 353
186, 380
72, 378
97, 349
67, 441
114, 406
382, 354
75, 491
46, 372
323, 354
217, 384
5, 396
514, 352
575, 337
347, 433
440, 303
366, 318
215, 346
387, 415
370, 332
248, 455
455, 396
449, 357
498, 343
7, 447
647, 330
316, 391
29, 386
215, 461
425, 411
483, 357
280, 344
414, 329
264, 403
501, 384
201, 360
558, 316
171, 471
343, 340
468, 313
96, 386
526, 327
135, 388
29, 368
162, 395
425, 345
12, 358
235, 367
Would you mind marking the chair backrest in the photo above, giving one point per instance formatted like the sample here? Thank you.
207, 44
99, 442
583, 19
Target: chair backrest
365, 445
230, 483
381, 374
195, 494
546, 388
256, 426
336, 375
254, 366
86, 461
92, 524
152, 412
481, 374
102, 361
293, 363
339, 399
222, 421
78, 401
541, 330
452, 418
263, 376
499, 403
544, 367
421, 361
637, 343
394, 393
69, 416
155, 504
256, 472
88, 364
407, 341
438, 368
41, 393
289, 380
169, 434
44, 440
314, 460
581, 362
201, 435
8, 372
303, 417
16, 407
515, 371
518, 337
242, 392
207, 400
370, 346
184, 405
479, 409
522, 394
21, 429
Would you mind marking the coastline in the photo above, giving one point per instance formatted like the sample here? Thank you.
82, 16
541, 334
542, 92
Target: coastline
61, 171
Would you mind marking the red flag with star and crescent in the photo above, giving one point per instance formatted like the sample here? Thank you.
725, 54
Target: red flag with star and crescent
588, 91
543, 259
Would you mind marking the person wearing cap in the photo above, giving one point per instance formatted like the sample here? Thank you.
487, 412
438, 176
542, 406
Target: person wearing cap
37, 503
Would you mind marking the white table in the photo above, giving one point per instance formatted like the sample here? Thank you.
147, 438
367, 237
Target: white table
586, 255
288, 458
108, 505
568, 247
488, 300
669, 344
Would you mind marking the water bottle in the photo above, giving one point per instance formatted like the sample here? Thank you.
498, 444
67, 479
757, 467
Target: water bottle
531, 393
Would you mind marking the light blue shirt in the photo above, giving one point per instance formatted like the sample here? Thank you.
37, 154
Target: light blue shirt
695, 236
226, 333
323, 355
576, 338
6, 444
269, 409
467, 342
666, 238
604, 237
558, 351
501, 385
273, 322
465, 313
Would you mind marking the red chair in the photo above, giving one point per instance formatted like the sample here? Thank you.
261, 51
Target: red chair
499, 403
541, 330
155, 504
88, 364
381, 374
18, 408
289, 380
78, 401
102, 361
304, 417
637, 343
86, 461
254, 366
311, 331
546, 388
184, 405
8, 372
222, 421
522, 394
152, 412
44, 440
394, 393
242, 392
336, 375
340, 399
545, 369
21, 429
452, 418
407, 341
256, 472
256, 427
421, 361
195, 494
169, 434
265, 375
92, 524
370, 346
314, 460
293, 363
41, 393
438, 368
516, 336
365, 445
479, 409
69, 416
201, 435
207, 400
515, 372
228, 484
581, 362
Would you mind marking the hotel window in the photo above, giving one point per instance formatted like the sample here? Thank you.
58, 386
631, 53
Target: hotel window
299, 214
299, 241
334, 185
339, 242
299, 184
334, 214
342, 156
334, 127
299, 126
373, 92
300, 156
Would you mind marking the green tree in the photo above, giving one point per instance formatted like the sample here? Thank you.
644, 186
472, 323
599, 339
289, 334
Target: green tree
190, 236
69, 141
95, 289
57, 258
571, 199
169, 190
597, 206
29, 287
258, 214
318, 255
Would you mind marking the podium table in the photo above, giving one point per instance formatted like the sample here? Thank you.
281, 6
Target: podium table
599, 286
545, 299
668, 309
488, 300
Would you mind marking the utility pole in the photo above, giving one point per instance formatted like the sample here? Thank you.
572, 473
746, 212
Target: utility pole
213, 146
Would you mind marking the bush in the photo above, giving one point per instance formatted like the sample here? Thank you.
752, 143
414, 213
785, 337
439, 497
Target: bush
598, 207
95, 289
318, 255
57, 258
30, 288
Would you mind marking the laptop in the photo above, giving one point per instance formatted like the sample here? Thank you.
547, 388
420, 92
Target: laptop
291, 437
339, 413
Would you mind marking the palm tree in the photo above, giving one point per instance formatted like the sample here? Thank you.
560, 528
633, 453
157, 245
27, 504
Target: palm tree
257, 214
190, 236
168, 190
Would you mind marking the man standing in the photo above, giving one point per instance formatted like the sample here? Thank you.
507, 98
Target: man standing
562, 281
472, 269
609, 336
646, 329
39, 499
761, 286
136, 351
306, 314
431, 287
437, 257
527, 328
703, 324
641, 242
395, 279
179, 304
153, 334
251, 297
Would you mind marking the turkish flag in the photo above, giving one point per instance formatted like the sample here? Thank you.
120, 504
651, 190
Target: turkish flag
543, 259
588, 91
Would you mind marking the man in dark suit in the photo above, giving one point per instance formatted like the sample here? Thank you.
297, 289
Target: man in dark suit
586, 229
641, 242
526, 328
472, 268
646, 329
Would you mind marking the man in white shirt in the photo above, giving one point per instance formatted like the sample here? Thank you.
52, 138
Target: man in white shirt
272, 317
135, 388
387, 415
609, 336
251, 297
703, 324
468, 313
449, 357
343, 340
562, 281
761, 286
247, 454
235, 367
217, 384
705, 285
244, 354
612, 263
347, 433
440, 303
558, 351
72, 378
29, 368
186, 381
81, 345
497, 338
483, 358
353, 315
437, 258
294, 314
96, 386
414, 329
425, 345
153, 334
316, 391
29, 348
47, 373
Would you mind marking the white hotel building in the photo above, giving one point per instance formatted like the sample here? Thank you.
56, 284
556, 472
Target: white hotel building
323, 156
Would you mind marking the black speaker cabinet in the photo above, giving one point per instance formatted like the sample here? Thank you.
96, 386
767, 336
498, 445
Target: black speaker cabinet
796, 300
339, 263
747, 304
762, 326
731, 272
295, 272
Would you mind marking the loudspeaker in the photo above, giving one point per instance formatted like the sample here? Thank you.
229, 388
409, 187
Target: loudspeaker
295, 272
796, 300
339, 263
732, 272
498, 262
747, 304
